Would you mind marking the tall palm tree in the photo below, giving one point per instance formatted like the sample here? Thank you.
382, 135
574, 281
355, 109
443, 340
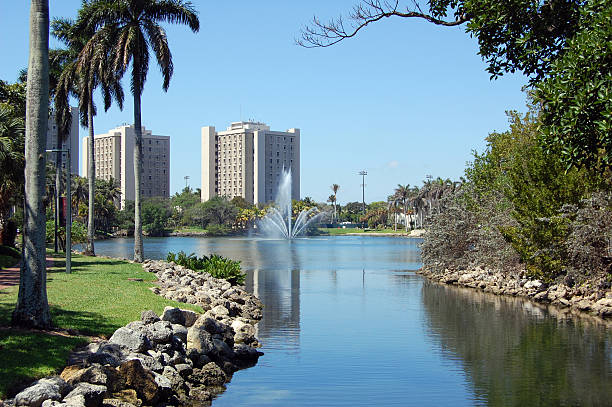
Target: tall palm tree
332, 200
79, 191
85, 68
393, 203
132, 28
32, 309
402, 192
335, 188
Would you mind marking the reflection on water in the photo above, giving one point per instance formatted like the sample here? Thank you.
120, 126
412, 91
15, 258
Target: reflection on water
516, 353
347, 322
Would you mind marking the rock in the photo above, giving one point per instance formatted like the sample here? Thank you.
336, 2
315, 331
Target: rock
160, 332
140, 380
173, 315
583, 305
245, 354
211, 325
199, 339
190, 316
92, 394
127, 396
209, 375
180, 332
200, 393
44, 389
148, 362
541, 296
95, 374
183, 369
221, 350
116, 403
78, 400
130, 339
108, 354
219, 311
466, 278
532, 284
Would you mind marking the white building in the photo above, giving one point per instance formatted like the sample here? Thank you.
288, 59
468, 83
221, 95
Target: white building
114, 155
247, 160
71, 141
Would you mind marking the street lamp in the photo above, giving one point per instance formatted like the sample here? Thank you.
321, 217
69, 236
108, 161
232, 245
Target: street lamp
363, 174
69, 210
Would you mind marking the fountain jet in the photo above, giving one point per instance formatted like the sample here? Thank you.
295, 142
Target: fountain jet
278, 222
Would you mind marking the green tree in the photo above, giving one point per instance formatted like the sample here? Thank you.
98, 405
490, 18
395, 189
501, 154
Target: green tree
335, 188
577, 96
155, 215
131, 28
32, 309
84, 68
218, 211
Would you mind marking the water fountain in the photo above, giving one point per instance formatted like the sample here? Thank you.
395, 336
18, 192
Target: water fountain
278, 222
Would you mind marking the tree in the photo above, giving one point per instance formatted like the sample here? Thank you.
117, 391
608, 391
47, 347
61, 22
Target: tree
335, 188
402, 193
11, 163
577, 96
513, 35
332, 199
32, 309
131, 28
85, 67
218, 211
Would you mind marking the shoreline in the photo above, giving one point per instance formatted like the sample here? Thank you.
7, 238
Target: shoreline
580, 301
180, 357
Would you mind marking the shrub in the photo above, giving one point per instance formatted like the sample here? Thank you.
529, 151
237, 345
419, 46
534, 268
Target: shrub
215, 265
217, 230
9, 233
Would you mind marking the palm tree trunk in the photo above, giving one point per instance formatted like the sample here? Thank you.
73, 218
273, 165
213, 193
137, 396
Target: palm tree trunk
32, 309
138, 246
58, 188
91, 178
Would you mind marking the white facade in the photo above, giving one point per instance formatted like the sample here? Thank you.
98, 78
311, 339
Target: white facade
114, 155
247, 160
71, 141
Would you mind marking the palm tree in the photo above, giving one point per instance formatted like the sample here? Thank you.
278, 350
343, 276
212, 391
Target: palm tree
85, 68
402, 193
393, 203
332, 200
79, 191
335, 188
32, 309
131, 28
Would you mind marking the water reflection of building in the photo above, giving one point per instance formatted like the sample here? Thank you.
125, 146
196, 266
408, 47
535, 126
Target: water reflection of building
278, 287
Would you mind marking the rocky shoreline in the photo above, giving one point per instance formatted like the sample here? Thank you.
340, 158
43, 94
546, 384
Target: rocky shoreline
593, 298
180, 358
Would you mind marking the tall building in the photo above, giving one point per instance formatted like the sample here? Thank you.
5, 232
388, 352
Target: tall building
247, 160
114, 154
71, 141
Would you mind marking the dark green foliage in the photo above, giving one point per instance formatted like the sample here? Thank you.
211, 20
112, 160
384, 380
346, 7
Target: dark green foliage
9, 233
218, 210
217, 230
215, 265
155, 215
577, 96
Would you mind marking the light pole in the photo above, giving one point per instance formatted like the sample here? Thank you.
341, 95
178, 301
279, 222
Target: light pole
363, 174
186, 180
69, 209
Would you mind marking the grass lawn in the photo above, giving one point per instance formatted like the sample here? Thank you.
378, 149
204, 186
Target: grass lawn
95, 299
190, 229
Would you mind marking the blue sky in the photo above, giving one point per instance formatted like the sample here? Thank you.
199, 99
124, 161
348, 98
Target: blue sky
401, 100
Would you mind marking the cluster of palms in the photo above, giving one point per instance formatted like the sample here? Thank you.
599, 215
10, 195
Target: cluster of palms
417, 204
107, 39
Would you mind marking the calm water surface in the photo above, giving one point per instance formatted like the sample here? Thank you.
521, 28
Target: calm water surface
348, 323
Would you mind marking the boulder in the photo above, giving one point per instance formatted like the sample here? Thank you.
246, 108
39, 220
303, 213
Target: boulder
141, 380
173, 315
130, 339
160, 332
52, 388
209, 375
180, 332
199, 339
92, 394
107, 354
127, 396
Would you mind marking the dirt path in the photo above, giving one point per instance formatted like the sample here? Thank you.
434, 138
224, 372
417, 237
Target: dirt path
10, 275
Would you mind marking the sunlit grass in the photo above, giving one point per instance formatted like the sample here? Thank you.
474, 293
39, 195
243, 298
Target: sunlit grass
99, 296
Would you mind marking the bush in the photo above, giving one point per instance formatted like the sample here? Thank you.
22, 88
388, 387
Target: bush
217, 230
215, 265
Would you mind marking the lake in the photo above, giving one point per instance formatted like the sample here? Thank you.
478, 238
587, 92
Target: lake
347, 322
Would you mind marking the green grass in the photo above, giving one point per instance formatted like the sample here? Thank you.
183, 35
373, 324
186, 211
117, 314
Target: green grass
190, 229
95, 299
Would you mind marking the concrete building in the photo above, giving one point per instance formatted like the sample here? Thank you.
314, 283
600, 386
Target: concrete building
114, 154
247, 160
71, 141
